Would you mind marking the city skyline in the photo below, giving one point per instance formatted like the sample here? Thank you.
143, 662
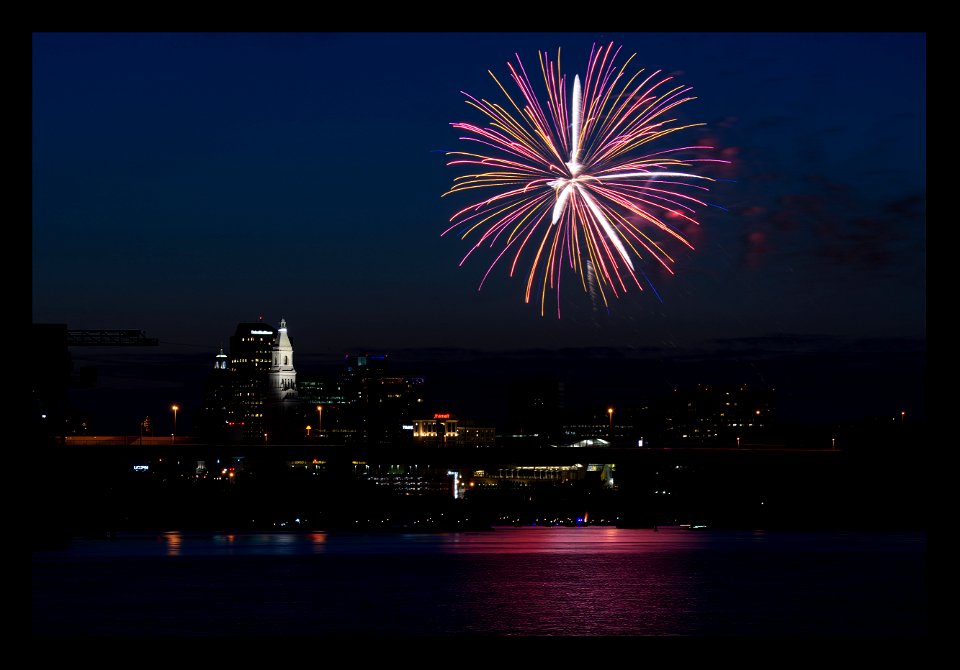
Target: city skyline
813, 386
185, 182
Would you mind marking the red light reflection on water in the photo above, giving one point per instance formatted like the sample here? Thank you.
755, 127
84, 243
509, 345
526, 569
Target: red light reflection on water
558, 540
580, 581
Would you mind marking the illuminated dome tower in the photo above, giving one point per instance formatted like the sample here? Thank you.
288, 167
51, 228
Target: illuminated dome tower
285, 416
283, 377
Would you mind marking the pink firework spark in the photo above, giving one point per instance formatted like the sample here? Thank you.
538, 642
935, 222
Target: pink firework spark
578, 181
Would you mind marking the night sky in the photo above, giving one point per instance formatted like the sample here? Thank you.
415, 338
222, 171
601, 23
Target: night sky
186, 182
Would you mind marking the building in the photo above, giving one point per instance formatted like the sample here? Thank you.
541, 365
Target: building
378, 403
324, 406
413, 480
598, 426
535, 408
251, 394
472, 435
282, 375
213, 420
440, 431
717, 415
283, 410
444, 430
250, 363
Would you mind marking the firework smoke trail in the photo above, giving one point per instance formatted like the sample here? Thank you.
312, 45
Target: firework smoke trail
573, 182
591, 284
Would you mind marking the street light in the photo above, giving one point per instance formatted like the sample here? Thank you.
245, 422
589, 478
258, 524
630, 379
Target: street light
175, 408
319, 420
610, 413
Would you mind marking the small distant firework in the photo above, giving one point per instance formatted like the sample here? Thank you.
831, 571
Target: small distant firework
577, 181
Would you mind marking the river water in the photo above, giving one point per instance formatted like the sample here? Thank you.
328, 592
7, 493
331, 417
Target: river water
509, 582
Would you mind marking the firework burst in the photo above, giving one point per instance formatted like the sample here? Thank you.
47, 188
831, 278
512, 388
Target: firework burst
577, 181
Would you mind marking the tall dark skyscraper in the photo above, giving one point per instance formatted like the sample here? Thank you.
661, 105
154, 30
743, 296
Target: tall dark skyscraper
250, 363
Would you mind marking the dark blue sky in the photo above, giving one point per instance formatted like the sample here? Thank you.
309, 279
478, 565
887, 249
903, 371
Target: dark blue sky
186, 182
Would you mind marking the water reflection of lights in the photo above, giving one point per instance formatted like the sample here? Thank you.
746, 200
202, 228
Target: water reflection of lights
271, 543
174, 542
582, 581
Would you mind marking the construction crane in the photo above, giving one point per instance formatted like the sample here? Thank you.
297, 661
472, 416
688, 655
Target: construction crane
53, 373
109, 338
